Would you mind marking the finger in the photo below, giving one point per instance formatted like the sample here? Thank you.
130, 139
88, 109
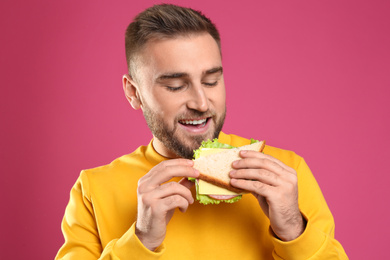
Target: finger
173, 188
179, 161
167, 164
172, 202
263, 203
247, 154
261, 175
166, 172
186, 183
255, 187
258, 163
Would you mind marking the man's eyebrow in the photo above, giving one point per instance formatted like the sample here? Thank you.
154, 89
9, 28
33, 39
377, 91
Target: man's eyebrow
214, 70
172, 76
178, 75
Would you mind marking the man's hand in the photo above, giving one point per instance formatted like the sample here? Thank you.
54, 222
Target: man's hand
157, 200
275, 185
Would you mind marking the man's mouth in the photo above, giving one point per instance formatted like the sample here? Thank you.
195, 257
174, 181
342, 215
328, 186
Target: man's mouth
194, 122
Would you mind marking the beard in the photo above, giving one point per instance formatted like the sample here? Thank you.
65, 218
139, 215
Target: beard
171, 139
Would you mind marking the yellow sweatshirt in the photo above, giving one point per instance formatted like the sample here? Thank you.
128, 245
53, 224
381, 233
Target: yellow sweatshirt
100, 218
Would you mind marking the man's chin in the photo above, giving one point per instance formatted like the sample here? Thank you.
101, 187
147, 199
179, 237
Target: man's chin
191, 142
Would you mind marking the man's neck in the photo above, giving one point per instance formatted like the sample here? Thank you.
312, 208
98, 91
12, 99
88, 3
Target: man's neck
160, 148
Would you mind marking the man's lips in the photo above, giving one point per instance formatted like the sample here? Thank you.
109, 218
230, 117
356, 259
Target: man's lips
194, 122
198, 125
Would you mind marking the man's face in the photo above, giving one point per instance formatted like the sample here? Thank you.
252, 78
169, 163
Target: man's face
182, 92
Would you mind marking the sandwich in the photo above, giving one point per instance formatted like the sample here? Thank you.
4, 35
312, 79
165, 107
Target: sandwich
214, 161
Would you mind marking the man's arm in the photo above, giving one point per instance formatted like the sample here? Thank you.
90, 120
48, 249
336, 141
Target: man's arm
80, 229
264, 176
158, 200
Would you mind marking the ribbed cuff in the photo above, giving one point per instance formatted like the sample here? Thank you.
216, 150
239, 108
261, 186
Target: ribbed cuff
303, 247
130, 247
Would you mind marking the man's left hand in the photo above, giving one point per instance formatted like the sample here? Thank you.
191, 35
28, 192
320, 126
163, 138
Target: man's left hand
275, 185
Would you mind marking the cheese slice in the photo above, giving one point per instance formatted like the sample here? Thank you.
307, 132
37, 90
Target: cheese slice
208, 151
206, 188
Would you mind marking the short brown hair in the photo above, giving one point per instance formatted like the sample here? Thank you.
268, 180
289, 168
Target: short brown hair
165, 21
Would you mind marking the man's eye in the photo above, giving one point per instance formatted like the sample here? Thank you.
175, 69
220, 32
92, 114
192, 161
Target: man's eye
210, 84
173, 89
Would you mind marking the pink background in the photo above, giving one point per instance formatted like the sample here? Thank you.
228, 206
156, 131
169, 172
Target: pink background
309, 76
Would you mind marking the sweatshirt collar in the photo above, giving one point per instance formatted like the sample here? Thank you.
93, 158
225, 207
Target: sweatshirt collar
152, 155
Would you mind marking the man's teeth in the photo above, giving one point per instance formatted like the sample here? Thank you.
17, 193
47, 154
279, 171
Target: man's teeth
193, 122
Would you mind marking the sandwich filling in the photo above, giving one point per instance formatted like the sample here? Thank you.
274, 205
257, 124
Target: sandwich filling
215, 192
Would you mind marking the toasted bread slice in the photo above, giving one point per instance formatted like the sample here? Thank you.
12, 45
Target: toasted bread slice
215, 168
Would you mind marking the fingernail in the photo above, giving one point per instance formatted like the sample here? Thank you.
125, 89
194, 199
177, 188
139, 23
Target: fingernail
190, 162
232, 173
244, 151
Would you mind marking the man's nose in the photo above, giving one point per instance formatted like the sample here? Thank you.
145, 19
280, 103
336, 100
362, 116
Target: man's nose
198, 99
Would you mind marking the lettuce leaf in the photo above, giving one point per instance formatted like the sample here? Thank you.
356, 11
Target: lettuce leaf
205, 200
211, 144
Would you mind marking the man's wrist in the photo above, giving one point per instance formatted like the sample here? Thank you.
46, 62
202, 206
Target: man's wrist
296, 229
142, 236
300, 228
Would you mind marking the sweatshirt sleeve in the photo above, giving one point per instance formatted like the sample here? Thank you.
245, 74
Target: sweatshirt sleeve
317, 241
82, 236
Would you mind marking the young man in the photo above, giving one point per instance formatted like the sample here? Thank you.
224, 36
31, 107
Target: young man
127, 209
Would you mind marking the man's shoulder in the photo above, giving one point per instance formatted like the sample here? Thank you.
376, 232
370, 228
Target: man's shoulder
128, 164
115, 181
288, 157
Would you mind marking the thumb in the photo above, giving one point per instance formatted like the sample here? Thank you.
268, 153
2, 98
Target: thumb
263, 204
186, 183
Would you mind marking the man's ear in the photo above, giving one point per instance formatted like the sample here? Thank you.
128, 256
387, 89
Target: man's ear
131, 92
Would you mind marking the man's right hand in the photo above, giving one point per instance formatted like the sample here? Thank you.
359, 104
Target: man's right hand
157, 200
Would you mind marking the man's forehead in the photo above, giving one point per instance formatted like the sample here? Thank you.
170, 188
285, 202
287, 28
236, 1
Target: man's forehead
181, 55
152, 46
